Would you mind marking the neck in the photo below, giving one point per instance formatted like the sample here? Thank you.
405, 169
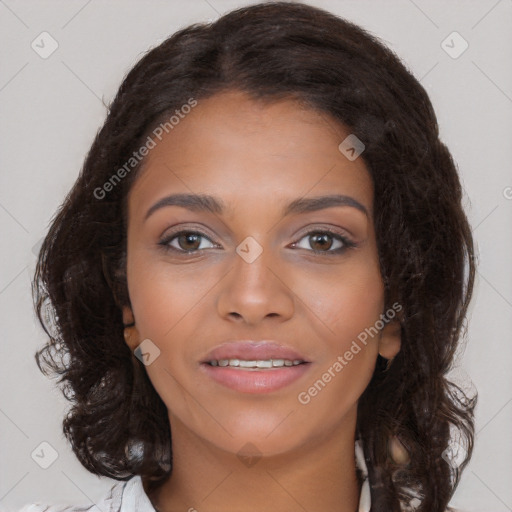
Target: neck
320, 476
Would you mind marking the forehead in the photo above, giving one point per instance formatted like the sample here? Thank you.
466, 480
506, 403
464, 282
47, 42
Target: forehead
251, 153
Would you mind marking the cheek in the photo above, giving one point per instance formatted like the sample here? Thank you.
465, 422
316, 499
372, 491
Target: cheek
349, 313
162, 295
344, 302
165, 302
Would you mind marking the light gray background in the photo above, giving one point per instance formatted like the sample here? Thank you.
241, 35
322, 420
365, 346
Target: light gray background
51, 109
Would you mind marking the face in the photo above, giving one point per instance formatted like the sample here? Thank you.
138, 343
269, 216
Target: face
259, 272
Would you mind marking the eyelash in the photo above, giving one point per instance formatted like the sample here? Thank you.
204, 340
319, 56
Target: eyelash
347, 243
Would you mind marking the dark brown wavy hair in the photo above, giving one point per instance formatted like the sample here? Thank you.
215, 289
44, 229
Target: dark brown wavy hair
117, 424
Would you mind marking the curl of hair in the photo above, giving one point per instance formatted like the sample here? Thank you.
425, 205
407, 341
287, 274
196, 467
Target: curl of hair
117, 424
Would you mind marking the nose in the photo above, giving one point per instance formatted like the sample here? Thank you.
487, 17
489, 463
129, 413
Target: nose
254, 291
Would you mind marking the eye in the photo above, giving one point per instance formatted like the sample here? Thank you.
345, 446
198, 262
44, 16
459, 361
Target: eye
323, 241
185, 241
320, 241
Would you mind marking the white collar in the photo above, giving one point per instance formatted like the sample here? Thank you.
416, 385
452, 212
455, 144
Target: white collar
365, 499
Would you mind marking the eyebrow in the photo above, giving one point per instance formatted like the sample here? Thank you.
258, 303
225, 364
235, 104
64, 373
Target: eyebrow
207, 203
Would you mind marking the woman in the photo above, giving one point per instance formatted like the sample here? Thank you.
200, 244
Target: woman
258, 281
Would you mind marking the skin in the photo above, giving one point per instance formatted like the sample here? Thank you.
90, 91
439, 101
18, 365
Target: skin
256, 158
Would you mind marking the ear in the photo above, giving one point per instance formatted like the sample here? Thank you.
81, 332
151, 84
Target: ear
390, 339
128, 317
131, 333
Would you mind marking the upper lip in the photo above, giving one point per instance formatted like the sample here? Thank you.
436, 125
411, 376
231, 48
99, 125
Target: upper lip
251, 350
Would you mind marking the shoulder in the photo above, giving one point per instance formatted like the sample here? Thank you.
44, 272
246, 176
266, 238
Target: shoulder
125, 496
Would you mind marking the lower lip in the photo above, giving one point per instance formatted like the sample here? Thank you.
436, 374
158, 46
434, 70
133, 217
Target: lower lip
253, 380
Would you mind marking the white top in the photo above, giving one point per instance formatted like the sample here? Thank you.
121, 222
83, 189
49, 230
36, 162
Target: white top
129, 496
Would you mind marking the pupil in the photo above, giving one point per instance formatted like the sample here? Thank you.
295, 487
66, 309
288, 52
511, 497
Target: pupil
321, 237
191, 238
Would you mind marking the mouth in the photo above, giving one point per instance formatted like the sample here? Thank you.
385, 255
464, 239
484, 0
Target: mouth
261, 364
254, 367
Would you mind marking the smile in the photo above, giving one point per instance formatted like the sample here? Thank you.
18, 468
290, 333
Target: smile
255, 376
255, 364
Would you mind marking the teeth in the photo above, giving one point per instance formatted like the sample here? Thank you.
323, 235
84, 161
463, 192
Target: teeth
262, 363
247, 364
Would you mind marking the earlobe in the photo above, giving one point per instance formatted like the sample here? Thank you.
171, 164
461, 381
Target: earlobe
390, 340
131, 334
131, 337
